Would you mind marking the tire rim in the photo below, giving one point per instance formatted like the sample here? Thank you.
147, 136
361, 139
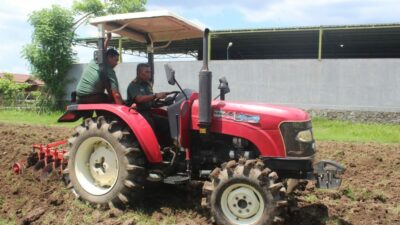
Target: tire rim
242, 204
96, 166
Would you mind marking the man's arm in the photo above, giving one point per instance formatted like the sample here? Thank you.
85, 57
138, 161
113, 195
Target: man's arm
107, 41
117, 97
148, 98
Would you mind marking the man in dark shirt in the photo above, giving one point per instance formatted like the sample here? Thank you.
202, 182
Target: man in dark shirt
140, 94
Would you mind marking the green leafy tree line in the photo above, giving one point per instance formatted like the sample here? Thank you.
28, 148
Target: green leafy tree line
9, 88
50, 52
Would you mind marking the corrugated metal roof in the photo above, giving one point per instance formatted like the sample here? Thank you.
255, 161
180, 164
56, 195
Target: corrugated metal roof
345, 41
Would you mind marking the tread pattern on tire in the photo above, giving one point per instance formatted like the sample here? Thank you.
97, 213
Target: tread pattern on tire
132, 169
253, 170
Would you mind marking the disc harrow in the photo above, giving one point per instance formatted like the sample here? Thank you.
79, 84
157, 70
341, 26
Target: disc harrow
48, 158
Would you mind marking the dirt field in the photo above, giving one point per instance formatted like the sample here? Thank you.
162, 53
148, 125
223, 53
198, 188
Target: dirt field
369, 195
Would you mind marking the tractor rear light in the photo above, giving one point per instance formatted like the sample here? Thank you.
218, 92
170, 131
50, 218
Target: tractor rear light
305, 136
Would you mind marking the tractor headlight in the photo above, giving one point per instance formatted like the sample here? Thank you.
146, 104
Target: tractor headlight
305, 136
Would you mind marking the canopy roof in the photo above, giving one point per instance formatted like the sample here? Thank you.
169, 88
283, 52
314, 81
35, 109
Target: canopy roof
344, 41
155, 26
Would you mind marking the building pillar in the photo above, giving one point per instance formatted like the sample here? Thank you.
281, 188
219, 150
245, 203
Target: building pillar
320, 44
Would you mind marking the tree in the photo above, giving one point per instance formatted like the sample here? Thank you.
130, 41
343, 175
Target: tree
9, 88
100, 8
50, 53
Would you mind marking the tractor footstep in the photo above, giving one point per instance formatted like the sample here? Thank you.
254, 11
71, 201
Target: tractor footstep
176, 179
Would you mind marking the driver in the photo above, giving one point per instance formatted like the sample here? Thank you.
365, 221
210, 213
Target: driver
141, 97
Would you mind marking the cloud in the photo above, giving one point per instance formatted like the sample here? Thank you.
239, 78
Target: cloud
16, 31
321, 12
280, 13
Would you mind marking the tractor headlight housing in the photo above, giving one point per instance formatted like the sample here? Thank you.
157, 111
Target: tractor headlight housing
305, 136
298, 138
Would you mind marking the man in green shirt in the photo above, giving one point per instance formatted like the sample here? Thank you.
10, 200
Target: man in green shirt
140, 94
91, 87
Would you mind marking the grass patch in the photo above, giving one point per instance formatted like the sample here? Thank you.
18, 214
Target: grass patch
4, 221
364, 195
138, 216
349, 193
49, 218
334, 130
82, 206
396, 210
29, 117
311, 198
68, 218
324, 129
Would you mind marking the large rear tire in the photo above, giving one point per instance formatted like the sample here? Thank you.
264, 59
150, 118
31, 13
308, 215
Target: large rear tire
243, 193
106, 165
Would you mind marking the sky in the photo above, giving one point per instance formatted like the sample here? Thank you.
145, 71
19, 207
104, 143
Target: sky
214, 14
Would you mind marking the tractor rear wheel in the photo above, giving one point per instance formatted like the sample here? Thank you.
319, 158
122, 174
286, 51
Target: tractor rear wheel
106, 164
244, 192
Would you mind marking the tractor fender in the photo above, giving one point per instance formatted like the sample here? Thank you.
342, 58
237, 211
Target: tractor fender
136, 122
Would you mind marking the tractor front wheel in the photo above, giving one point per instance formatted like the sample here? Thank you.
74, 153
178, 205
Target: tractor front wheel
105, 163
244, 192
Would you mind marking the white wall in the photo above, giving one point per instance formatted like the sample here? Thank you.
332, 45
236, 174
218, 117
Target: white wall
343, 84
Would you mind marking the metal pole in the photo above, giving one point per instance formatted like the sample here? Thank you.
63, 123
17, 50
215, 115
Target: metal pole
150, 58
120, 49
209, 46
320, 44
100, 45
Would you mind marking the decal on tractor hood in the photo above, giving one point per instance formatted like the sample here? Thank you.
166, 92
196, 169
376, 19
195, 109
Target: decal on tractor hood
239, 117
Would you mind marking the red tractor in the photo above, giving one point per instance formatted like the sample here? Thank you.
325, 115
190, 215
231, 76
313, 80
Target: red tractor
248, 155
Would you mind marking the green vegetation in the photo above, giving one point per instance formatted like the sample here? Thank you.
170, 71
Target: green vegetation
50, 53
9, 89
363, 195
348, 192
30, 117
396, 210
7, 221
334, 130
311, 198
101, 8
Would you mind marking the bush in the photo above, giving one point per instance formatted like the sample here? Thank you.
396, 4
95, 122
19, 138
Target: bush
10, 91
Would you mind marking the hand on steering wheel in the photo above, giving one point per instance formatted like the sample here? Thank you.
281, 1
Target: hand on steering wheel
170, 98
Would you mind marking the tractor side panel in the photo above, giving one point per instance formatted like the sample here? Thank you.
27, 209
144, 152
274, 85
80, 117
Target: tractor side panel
185, 120
138, 124
268, 142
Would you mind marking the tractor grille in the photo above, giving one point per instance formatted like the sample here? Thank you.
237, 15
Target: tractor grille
296, 148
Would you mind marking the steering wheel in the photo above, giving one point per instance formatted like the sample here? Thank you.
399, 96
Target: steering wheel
171, 96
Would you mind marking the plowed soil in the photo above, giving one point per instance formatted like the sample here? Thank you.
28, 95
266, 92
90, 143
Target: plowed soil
370, 193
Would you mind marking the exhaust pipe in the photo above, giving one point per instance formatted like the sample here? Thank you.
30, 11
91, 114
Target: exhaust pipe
205, 77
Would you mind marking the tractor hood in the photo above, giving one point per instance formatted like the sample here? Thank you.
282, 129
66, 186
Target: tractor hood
267, 116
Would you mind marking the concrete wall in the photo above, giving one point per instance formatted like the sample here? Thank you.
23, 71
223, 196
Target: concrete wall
340, 84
